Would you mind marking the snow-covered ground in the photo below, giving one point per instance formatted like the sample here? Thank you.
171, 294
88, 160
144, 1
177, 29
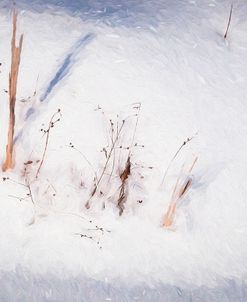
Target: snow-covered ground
164, 68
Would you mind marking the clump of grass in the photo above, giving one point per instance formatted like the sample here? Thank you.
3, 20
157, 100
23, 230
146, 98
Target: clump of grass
182, 186
13, 77
109, 154
117, 166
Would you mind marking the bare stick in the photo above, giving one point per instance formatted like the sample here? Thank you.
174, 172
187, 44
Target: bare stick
229, 22
13, 77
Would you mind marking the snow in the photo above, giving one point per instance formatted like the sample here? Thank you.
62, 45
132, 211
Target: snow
96, 61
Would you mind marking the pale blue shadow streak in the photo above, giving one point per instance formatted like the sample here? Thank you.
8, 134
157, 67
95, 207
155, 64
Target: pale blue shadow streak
63, 70
66, 65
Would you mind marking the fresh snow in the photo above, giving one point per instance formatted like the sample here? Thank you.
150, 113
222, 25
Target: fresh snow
98, 61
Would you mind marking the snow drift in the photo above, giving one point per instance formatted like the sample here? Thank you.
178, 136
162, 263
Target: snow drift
163, 72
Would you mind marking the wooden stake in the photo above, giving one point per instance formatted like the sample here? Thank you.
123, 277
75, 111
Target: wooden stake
13, 77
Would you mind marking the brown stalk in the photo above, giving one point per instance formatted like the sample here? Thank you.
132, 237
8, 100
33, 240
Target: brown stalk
126, 172
122, 194
181, 188
13, 77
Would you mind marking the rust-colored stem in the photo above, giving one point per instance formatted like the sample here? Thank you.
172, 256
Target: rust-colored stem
13, 77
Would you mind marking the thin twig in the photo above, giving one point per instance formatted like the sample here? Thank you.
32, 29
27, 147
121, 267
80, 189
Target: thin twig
229, 21
175, 155
19, 198
47, 133
114, 151
138, 107
87, 205
85, 158
30, 191
26, 185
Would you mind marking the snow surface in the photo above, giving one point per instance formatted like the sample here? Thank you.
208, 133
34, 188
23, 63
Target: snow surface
97, 61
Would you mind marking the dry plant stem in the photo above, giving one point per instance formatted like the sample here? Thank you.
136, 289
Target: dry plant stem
84, 235
126, 173
122, 194
51, 124
19, 198
85, 158
181, 188
138, 107
174, 157
26, 185
30, 194
229, 22
169, 216
136, 124
114, 151
110, 153
13, 77
87, 205
88, 237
